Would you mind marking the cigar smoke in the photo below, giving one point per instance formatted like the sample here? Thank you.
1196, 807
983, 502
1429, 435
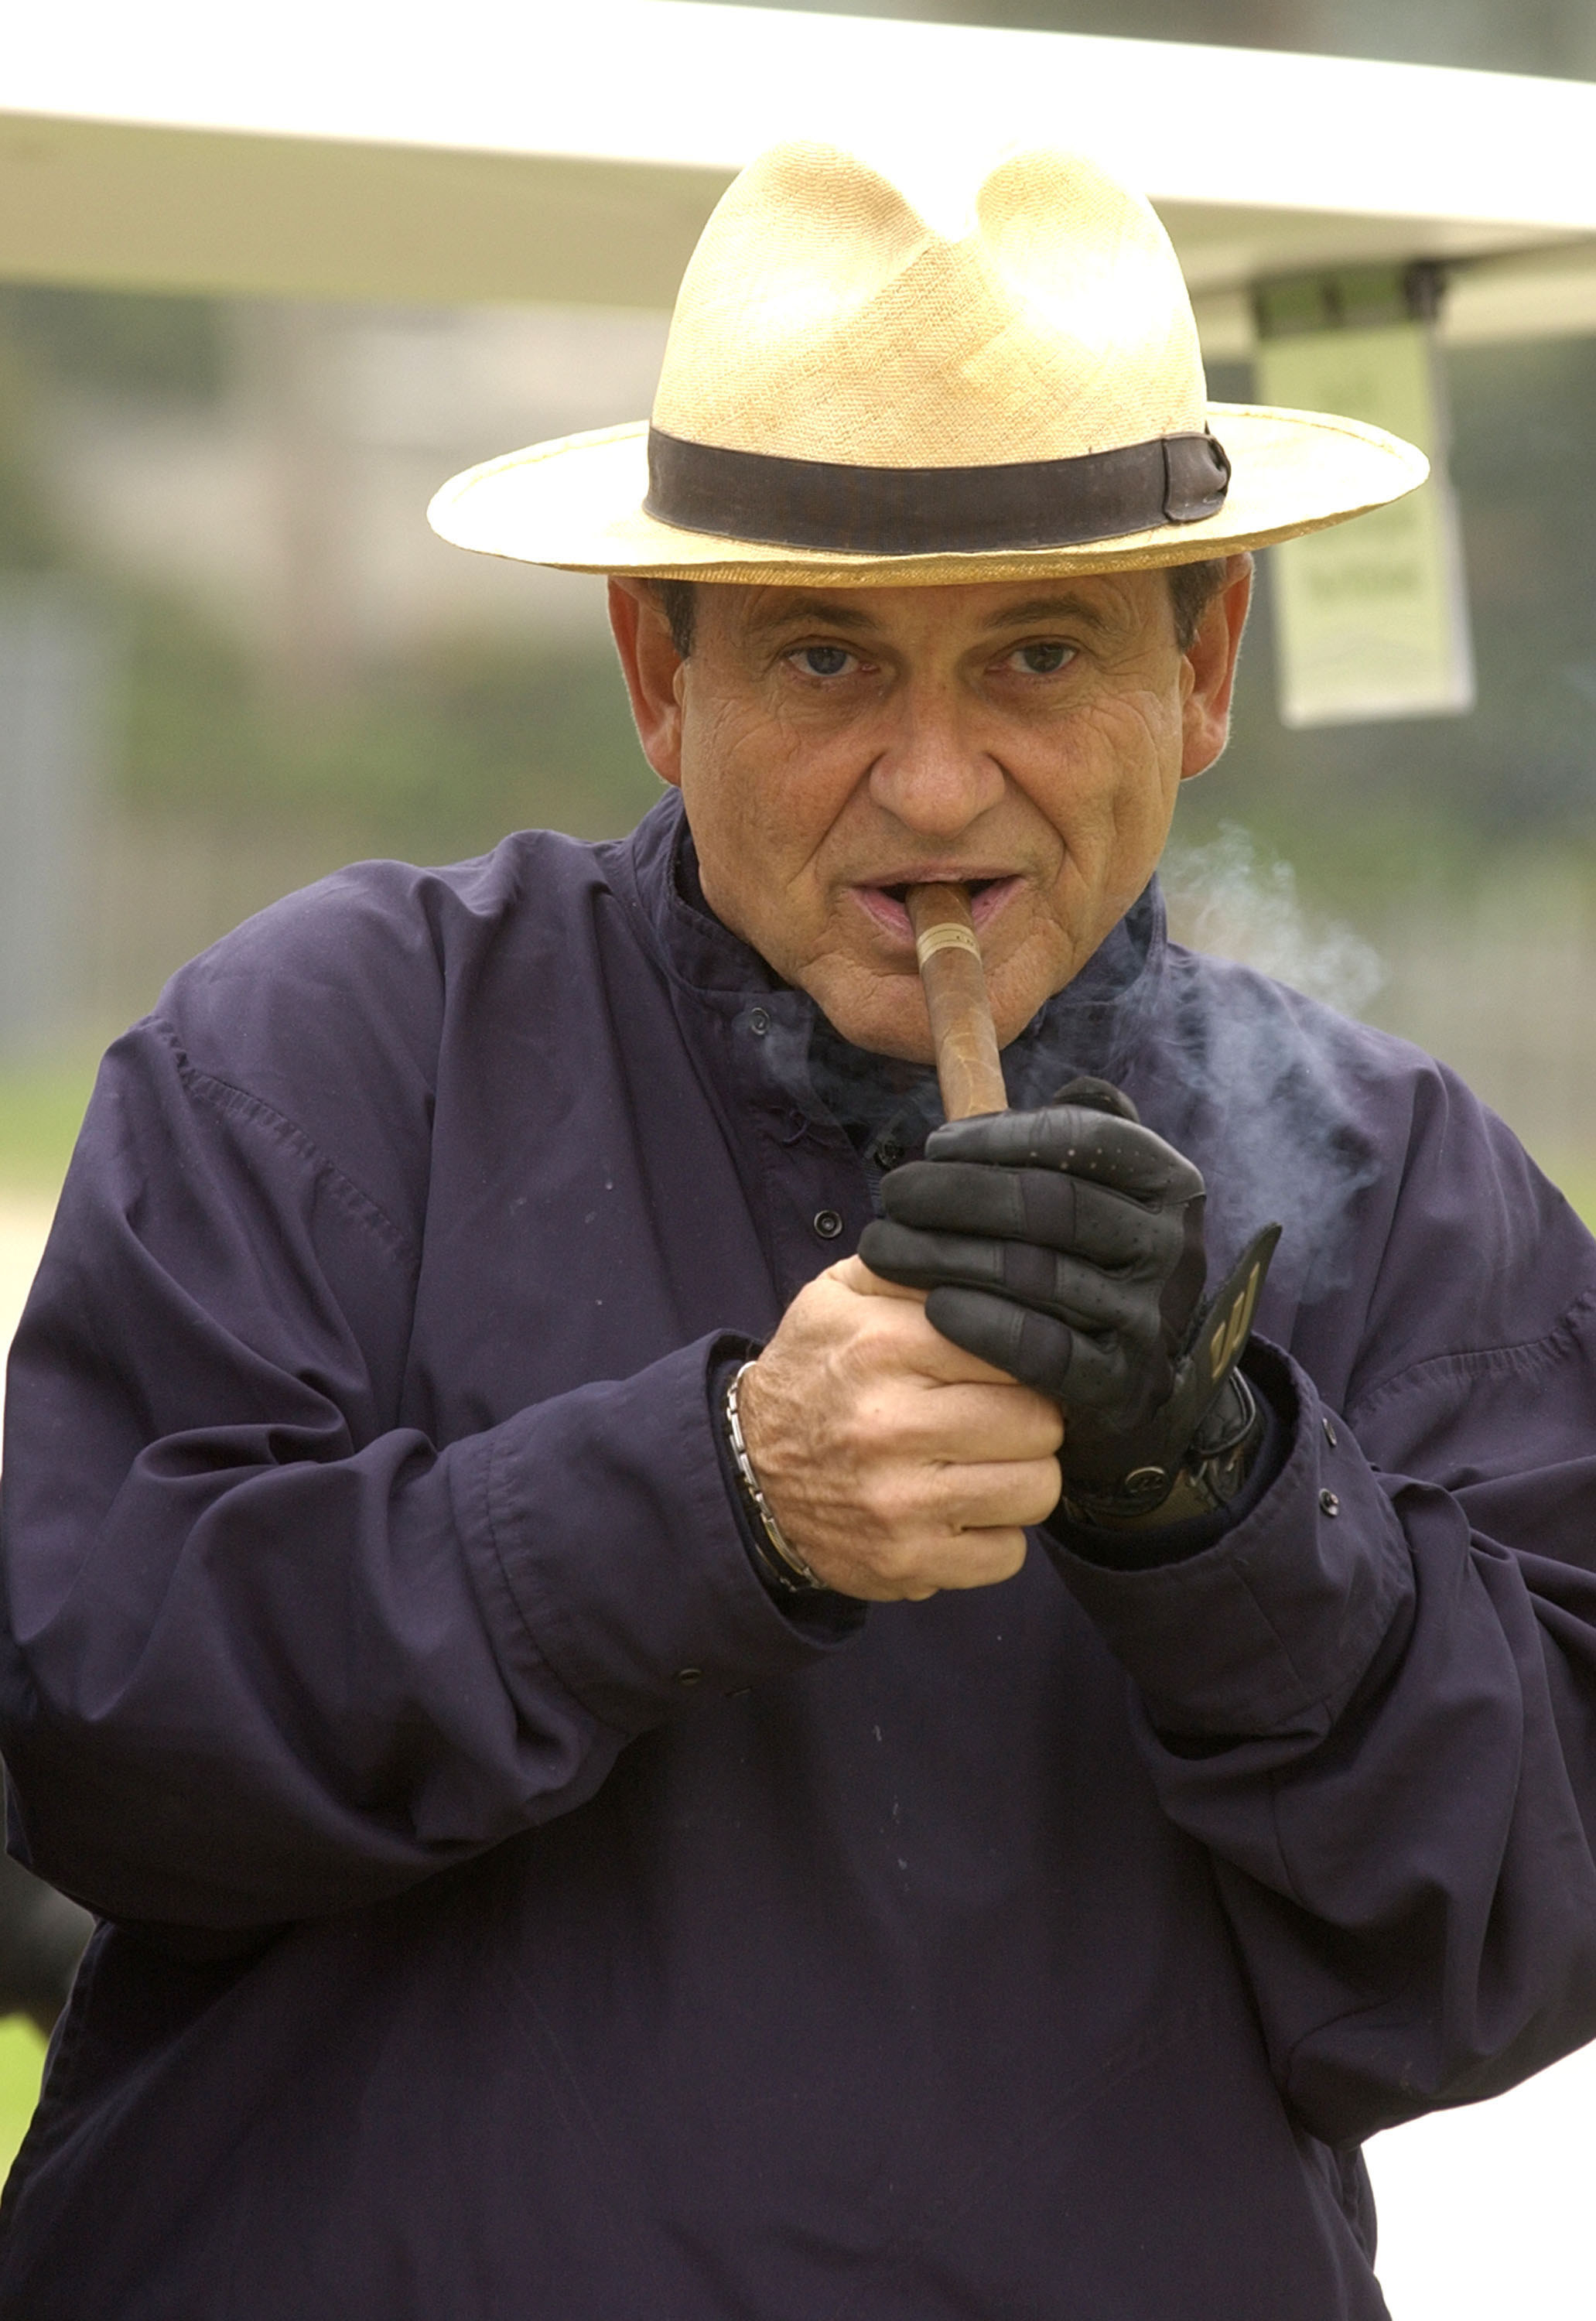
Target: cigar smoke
1273, 1077
1232, 900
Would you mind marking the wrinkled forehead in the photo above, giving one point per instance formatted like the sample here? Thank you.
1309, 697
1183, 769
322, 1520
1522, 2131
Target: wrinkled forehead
1100, 604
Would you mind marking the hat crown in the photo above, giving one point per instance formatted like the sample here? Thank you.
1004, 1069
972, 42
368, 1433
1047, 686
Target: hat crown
824, 316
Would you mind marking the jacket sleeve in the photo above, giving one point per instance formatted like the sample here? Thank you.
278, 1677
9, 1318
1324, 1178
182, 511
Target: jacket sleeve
270, 1654
1373, 1700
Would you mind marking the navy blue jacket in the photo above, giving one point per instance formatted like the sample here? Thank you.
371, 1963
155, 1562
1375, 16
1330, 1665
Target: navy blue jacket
510, 1909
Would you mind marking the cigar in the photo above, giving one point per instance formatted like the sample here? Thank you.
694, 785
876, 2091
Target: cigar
967, 1067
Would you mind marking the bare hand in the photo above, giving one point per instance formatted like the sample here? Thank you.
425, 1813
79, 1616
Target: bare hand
895, 1462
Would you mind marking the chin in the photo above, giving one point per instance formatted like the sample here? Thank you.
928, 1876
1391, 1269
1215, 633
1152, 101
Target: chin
882, 1035
884, 1015
882, 1021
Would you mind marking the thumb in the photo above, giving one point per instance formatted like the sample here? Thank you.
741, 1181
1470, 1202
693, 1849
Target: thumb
852, 1273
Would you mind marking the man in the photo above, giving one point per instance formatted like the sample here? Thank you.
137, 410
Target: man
627, 1764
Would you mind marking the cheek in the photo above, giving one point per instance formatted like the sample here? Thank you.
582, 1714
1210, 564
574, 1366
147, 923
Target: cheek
1139, 758
761, 801
766, 777
1143, 808
1114, 770
729, 770
1145, 728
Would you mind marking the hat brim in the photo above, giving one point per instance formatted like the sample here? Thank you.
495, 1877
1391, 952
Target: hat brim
577, 503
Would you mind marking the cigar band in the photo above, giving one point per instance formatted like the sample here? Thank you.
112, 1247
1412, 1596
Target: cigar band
948, 935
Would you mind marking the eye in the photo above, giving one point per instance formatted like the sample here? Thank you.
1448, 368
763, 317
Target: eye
821, 661
1043, 658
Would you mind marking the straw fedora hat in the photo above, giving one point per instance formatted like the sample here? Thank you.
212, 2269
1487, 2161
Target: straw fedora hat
855, 395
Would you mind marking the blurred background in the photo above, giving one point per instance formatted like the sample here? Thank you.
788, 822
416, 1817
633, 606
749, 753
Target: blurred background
232, 657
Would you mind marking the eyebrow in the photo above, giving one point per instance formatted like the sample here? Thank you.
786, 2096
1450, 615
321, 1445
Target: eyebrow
1050, 608
828, 612
825, 610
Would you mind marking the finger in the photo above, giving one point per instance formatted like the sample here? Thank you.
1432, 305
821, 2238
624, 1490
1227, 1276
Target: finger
982, 1557
935, 1358
905, 1347
1035, 1204
986, 1502
975, 1557
877, 1333
1047, 1280
1112, 1151
1103, 1096
1075, 1369
970, 1426
996, 1494
1033, 1348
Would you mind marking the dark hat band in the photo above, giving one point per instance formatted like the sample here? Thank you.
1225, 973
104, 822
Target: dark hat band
933, 511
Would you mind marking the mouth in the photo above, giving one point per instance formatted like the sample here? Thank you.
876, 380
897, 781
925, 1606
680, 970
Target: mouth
887, 903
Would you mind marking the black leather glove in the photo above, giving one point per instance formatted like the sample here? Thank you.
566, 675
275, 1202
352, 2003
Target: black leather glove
1066, 1246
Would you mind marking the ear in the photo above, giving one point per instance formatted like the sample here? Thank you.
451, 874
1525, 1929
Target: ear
1211, 660
653, 669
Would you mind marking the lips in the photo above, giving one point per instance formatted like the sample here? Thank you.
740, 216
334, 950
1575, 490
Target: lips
885, 902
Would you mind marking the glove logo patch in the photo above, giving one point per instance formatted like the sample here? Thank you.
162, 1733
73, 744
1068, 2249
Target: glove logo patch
1235, 1321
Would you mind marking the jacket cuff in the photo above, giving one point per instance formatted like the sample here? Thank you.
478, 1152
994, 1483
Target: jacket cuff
1271, 1628
657, 1606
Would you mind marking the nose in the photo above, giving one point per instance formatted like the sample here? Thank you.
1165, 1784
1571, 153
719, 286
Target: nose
934, 776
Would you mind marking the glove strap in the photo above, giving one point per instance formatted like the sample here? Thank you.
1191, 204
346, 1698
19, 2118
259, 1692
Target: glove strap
1222, 1433
1208, 1478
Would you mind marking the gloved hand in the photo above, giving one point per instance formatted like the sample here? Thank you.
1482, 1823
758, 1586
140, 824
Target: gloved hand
1066, 1246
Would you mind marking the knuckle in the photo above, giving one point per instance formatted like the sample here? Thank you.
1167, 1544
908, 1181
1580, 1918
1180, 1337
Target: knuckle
1013, 1553
1001, 1552
940, 1497
1047, 1426
901, 1565
1042, 1494
886, 1505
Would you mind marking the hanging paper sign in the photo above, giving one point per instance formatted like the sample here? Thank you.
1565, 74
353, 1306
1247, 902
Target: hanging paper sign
1370, 617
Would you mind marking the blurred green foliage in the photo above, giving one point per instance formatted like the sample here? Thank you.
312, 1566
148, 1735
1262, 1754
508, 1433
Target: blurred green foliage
21, 2060
1575, 1177
431, 758
28, 538
132, 343
41, 1107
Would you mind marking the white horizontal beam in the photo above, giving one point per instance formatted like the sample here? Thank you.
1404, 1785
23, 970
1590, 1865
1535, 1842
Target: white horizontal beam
570, 149
704, 87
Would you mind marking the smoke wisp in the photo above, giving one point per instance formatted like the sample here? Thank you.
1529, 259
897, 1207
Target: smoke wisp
1274, 1083
1230, 899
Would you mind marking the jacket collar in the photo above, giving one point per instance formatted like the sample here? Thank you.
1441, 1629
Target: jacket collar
1098, 1024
